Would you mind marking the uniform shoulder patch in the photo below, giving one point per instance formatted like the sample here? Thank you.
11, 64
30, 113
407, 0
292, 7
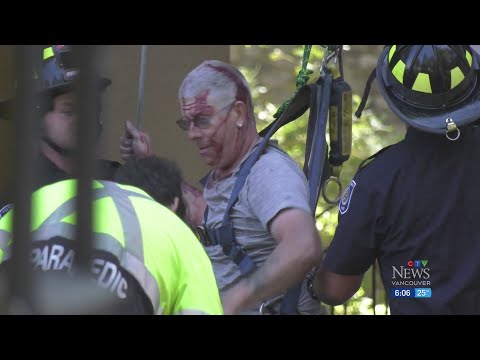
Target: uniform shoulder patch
5, 209
346, 197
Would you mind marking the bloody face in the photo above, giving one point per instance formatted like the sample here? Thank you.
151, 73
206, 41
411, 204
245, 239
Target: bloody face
212, 128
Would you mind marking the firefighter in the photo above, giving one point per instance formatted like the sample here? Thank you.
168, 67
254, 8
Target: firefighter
413, 207
57, 110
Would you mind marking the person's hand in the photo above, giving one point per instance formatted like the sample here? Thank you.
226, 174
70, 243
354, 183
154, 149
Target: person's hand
234, 299
195, 204
134, 143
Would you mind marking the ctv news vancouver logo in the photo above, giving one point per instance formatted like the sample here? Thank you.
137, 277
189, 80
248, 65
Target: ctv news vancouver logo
416, 273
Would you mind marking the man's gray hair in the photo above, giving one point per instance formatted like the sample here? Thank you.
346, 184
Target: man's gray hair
223, 82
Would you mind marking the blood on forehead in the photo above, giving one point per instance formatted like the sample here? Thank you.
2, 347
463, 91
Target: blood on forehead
242, 91
199, 105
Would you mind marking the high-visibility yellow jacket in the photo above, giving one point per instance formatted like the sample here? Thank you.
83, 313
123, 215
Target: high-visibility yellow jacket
136, 241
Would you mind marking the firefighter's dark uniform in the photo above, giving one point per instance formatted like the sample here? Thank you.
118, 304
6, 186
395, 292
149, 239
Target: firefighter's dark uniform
417, 200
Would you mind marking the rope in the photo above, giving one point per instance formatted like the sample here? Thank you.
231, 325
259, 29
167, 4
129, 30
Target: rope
304, 74
302, 79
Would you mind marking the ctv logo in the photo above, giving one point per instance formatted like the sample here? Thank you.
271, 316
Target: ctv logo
417, 263
415, 270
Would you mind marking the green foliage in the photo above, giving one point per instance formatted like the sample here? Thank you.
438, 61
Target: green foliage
271, 72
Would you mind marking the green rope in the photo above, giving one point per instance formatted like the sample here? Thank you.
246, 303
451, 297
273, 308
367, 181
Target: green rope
302, 79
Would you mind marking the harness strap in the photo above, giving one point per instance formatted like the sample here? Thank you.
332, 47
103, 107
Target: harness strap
316, 143
224, 234
315, 166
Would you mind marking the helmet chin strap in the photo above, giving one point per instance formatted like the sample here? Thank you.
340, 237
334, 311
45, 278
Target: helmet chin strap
366, 92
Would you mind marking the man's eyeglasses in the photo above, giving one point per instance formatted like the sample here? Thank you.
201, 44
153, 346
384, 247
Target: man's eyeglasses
201, 122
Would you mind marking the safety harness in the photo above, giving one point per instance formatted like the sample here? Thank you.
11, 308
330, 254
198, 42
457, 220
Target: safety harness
329, 98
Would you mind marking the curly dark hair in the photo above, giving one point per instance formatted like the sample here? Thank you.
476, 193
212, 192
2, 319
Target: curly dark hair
160, 178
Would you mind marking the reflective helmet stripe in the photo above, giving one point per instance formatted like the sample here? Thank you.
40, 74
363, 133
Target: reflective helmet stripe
391, 52
48, 53
399, 70
469, 58
457, 77
422, 83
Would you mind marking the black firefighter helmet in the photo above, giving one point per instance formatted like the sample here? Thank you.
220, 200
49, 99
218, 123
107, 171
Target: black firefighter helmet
434, 88
56, 72
59, 70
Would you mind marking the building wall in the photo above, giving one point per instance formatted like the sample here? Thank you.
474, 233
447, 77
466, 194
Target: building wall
6, 127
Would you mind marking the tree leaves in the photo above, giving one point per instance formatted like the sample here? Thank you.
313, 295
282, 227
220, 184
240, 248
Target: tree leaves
271, 71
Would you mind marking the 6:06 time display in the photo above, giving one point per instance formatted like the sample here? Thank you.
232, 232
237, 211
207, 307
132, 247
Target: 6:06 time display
402, 293
411, 293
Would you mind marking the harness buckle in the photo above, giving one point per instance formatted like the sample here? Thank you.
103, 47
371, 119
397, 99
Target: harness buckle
203, 235
267, 307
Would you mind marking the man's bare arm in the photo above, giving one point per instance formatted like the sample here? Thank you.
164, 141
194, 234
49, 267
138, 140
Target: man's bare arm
298, 251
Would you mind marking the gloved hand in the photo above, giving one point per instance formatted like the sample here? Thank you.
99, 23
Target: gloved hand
134, 142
